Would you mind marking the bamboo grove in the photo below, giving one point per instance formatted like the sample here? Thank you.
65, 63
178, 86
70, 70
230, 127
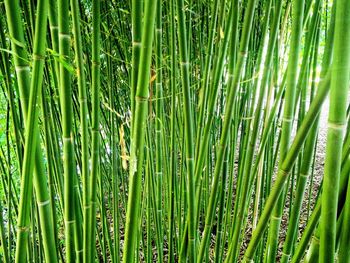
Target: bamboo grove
174, 131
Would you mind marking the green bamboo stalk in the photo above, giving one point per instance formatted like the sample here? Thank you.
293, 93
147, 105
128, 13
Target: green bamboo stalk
6, 253
53, 22
335, 134
158, 128
136, 48
343, 253
137, 143
83, 120
95, 129
172, 172
50, 166
67, 129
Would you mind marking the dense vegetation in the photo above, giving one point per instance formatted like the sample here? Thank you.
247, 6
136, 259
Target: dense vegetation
174, 131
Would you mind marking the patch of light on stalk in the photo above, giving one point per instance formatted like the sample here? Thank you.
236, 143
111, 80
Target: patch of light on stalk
78, 170
259, 74
318, 71
103, 132
108, 149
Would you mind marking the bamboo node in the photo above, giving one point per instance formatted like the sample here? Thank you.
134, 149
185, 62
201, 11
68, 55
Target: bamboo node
68, 222
336, 126
38, 57
141, 99
136, 43
46, 202
304, 175
284, 172
316, 239
22, 68
276, 217
82, 99
23, 228
243, 54
287, 119
67, 139
247, 259
64, 35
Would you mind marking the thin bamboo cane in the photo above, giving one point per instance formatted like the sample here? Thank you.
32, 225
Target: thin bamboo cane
95, 131
83, 119
335, 134
137, 145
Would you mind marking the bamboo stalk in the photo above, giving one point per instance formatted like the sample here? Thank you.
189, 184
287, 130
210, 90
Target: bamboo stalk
137, 144
335, 134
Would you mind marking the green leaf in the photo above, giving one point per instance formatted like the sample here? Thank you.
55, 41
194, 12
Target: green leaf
124, 11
